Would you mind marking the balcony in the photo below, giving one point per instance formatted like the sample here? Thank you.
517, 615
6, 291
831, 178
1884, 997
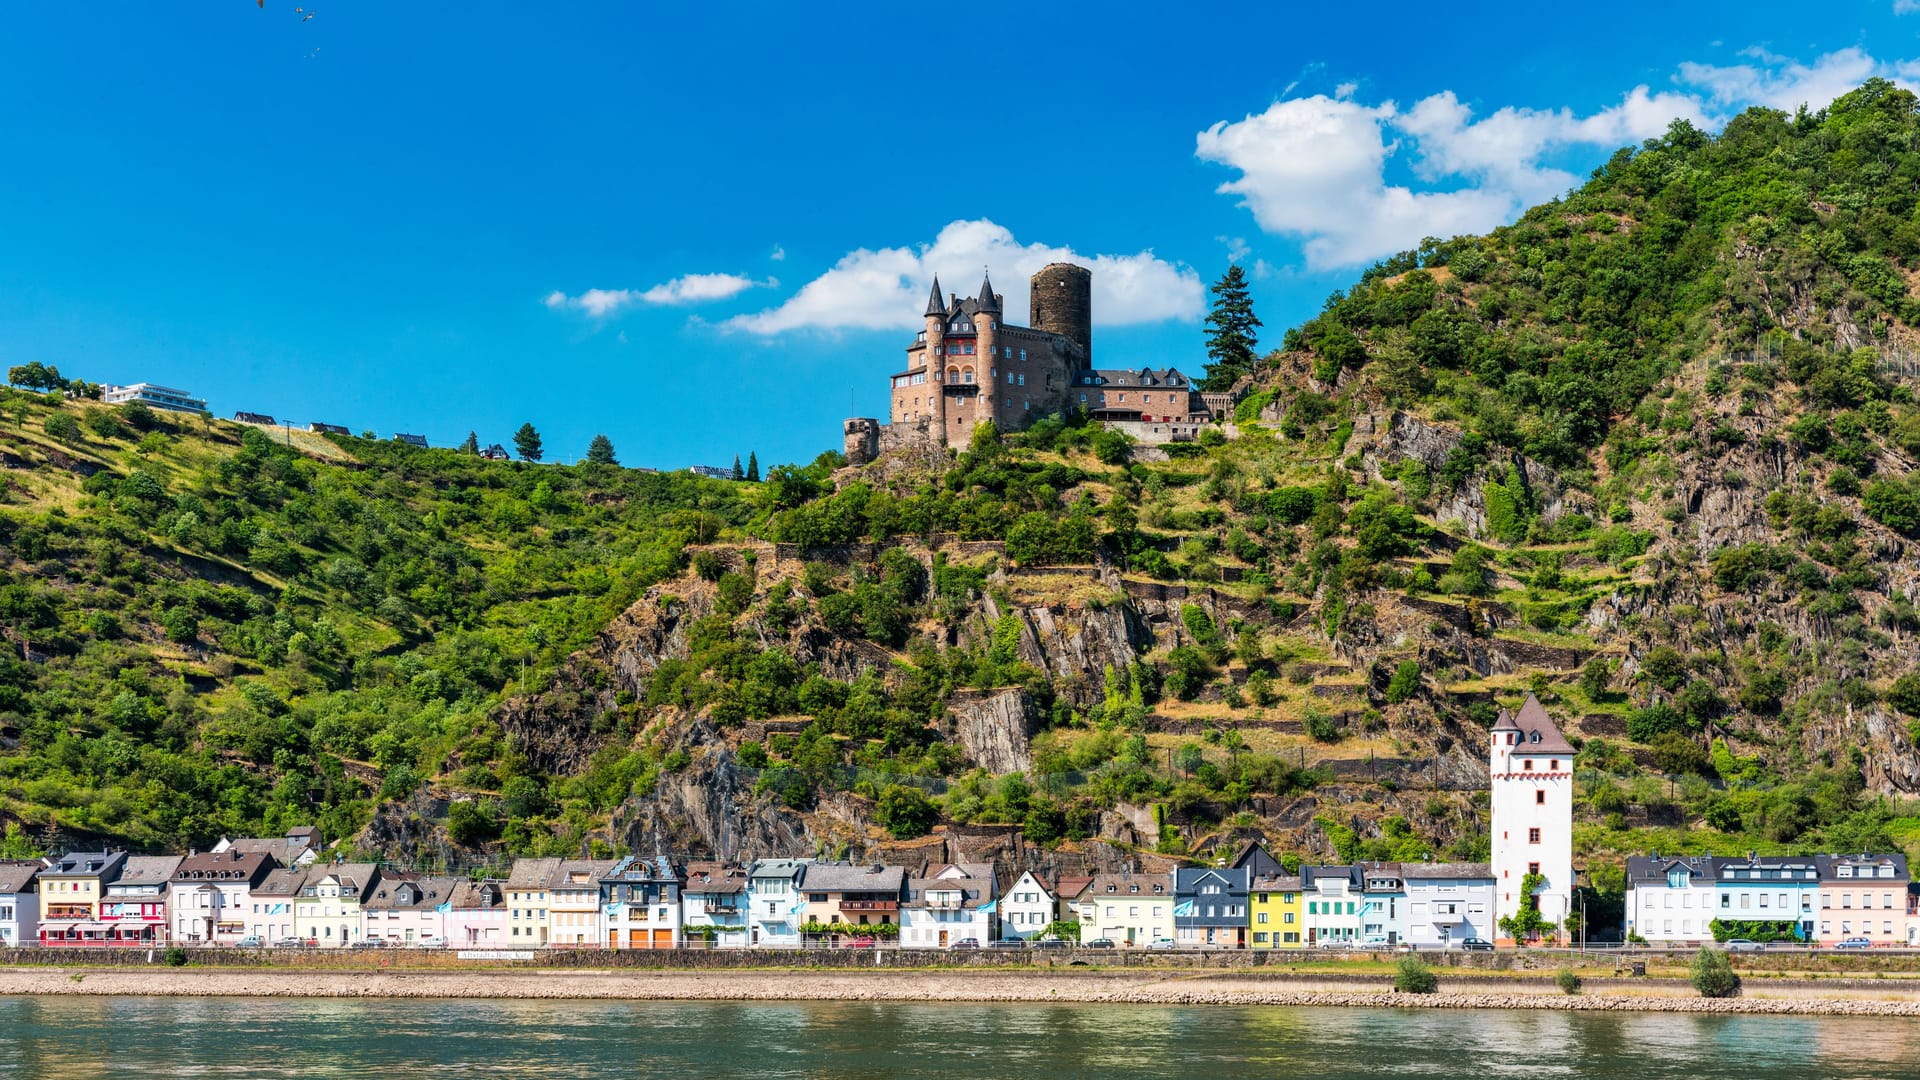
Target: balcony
866, 906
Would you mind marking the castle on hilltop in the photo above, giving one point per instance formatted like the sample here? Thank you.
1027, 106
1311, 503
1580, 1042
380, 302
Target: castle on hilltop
969, 366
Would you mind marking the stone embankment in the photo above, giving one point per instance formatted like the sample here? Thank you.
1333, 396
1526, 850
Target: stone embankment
977, 986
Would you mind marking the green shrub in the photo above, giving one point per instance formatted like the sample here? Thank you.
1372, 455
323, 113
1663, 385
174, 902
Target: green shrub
1712, 975
1405, 682
176, 956
1569, 982
1412, 976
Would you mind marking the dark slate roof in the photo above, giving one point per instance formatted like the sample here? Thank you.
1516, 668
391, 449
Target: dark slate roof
642, 868
1167, 377
413, 893
1538, 734
1353, 875
936, 305
282, 883
1123, 885
845, 877
1188, 878
1864, 867
1652, 869
987, 300
86, 864
1256, 859
229, 865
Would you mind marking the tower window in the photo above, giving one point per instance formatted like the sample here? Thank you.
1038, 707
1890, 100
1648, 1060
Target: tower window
1023, 356
1540, 798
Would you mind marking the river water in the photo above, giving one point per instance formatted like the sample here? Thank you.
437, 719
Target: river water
406, 1038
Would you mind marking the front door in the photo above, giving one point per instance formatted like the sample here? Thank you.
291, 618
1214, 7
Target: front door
943, 939
613, 939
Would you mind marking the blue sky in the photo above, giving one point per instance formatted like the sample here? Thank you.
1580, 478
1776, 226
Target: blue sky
705, 230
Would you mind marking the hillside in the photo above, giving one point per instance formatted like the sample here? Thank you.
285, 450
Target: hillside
1649, 453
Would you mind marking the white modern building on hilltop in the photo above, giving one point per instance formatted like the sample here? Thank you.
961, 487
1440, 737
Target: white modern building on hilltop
155, 396
1532, 781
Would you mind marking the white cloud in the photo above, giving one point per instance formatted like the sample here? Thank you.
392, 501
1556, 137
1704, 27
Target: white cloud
1905, 7
689, 289
779, 254
1315, 169
1781, 83
886, 288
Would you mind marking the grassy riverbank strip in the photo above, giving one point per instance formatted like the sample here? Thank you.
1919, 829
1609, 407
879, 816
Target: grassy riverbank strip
1066, 987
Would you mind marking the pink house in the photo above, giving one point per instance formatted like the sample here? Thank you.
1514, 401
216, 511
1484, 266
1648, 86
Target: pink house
476, 917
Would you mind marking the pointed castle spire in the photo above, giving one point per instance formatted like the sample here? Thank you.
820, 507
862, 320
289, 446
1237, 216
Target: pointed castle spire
988, 301
935, 305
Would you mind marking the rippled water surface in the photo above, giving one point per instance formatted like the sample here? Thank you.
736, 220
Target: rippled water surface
245, 1037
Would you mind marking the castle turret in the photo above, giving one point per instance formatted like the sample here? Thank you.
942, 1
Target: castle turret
935, 356
986, 341
1062, 302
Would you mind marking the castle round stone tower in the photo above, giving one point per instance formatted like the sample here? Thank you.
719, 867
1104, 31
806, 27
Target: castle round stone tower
1061, 302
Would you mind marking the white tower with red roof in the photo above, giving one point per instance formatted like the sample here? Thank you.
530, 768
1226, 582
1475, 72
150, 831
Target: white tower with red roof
1532, 766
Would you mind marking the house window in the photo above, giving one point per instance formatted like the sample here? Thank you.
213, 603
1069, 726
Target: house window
1533, 836
1261, 918
1533, 868
1539, 798
1529, 764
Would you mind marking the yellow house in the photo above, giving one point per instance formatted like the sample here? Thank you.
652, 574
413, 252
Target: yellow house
70, 893
530, 900
1129, 910
1275, 907
327, 911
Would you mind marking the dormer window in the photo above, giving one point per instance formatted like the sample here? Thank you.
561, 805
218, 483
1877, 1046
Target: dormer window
1533, 736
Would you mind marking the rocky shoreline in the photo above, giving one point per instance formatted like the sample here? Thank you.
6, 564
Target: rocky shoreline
997, 987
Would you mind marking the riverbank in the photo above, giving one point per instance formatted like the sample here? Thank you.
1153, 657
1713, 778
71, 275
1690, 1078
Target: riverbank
1076, 987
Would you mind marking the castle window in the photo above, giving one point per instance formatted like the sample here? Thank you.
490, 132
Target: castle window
1023, 378
1023, 356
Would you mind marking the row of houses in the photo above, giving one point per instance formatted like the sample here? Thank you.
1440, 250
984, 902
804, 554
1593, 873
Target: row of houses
1863, 900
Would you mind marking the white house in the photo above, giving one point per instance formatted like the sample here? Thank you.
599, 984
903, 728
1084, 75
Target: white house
19, 902
299, 847
211, 895
1331, 898
408, 911
640, 904
713, 905
272, 918
1532, 766
159, 397
1447, 903
1027, 907
947, 904
775, 903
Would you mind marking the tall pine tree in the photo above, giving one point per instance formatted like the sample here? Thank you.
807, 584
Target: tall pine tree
600, 451
753, 467
527, 441
737, 473
1231, 331
472, 445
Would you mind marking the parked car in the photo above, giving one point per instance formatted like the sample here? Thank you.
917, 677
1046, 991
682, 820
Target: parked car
431, 941
965, 943
251, 941
1855, 943
368, 943
865, 942
1006, 943
1098, 943
1474, 944
1050, 943
1162, 943
291, 943
1741, 944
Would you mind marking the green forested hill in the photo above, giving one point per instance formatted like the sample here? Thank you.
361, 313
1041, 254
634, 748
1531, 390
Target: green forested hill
1648, 453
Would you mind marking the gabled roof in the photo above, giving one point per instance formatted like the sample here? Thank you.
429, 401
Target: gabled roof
1169, 378
1069, 887
1862, 867
581, 873
844, 877
1188, 878
1351, 874
532, 873
282, 883
18, 874
1538, 734
642, 868
1652, 869
714, 879
355, 879
777, 868
480, 895
147, 870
